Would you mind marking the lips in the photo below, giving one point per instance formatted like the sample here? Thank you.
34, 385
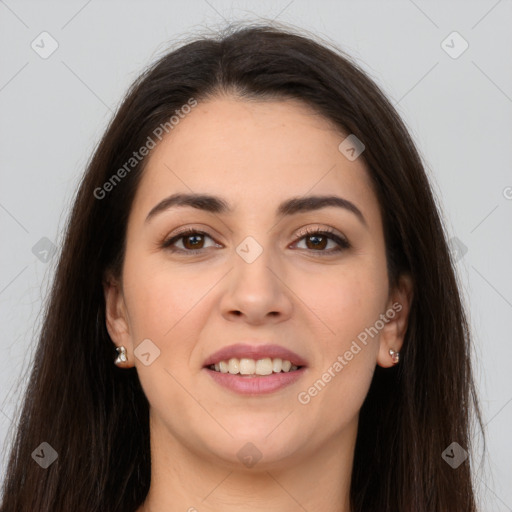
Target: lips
243, 350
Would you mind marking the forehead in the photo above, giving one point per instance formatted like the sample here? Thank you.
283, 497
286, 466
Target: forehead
254, 153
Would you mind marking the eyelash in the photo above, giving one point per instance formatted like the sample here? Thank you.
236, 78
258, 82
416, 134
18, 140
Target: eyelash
342, 242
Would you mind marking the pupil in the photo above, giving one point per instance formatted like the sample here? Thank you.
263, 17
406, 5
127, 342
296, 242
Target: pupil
316, 237
192, 237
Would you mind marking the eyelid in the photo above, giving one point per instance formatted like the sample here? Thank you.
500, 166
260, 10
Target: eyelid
332, 234
183, 233
309, 230
328, 232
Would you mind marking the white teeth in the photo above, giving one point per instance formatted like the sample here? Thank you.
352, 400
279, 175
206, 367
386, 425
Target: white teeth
234, 365
246, 366
264, 366
286, 366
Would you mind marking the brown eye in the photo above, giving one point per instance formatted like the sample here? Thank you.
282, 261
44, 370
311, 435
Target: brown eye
317, 240
192, 241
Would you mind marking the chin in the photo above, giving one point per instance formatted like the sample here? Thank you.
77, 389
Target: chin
256, 447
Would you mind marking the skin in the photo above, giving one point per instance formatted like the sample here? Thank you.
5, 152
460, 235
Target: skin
254, 154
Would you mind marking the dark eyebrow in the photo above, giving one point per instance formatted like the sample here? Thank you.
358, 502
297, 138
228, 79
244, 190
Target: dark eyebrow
215, 204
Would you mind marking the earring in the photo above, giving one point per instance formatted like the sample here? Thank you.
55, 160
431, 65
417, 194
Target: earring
121, 358
395, 356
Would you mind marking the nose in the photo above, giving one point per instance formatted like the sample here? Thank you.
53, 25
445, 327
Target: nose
256, 291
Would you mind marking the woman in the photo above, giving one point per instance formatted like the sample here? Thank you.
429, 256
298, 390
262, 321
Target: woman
257, 246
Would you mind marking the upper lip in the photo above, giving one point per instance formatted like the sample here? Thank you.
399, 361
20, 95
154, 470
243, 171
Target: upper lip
241, 350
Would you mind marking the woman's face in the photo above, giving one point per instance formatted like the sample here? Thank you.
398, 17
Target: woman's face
256, 278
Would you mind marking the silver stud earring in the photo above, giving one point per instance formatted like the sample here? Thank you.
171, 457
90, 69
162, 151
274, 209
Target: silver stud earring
395, 356
121, 358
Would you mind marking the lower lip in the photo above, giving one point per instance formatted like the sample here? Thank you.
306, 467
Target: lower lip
257, 385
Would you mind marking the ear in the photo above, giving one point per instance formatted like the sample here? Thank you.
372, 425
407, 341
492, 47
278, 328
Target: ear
116, 317
397, 313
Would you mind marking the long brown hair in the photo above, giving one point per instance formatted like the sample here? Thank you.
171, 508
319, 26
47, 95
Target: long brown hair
96, 416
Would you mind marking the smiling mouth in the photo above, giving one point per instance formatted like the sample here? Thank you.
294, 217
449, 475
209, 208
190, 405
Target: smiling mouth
246, 367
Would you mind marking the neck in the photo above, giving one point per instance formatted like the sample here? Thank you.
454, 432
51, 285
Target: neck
184, 480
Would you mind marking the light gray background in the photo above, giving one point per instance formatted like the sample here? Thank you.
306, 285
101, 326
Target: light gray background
54, 110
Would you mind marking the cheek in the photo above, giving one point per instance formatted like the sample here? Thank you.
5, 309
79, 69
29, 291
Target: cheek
346, 304
161, 303
346, 299
160, 297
